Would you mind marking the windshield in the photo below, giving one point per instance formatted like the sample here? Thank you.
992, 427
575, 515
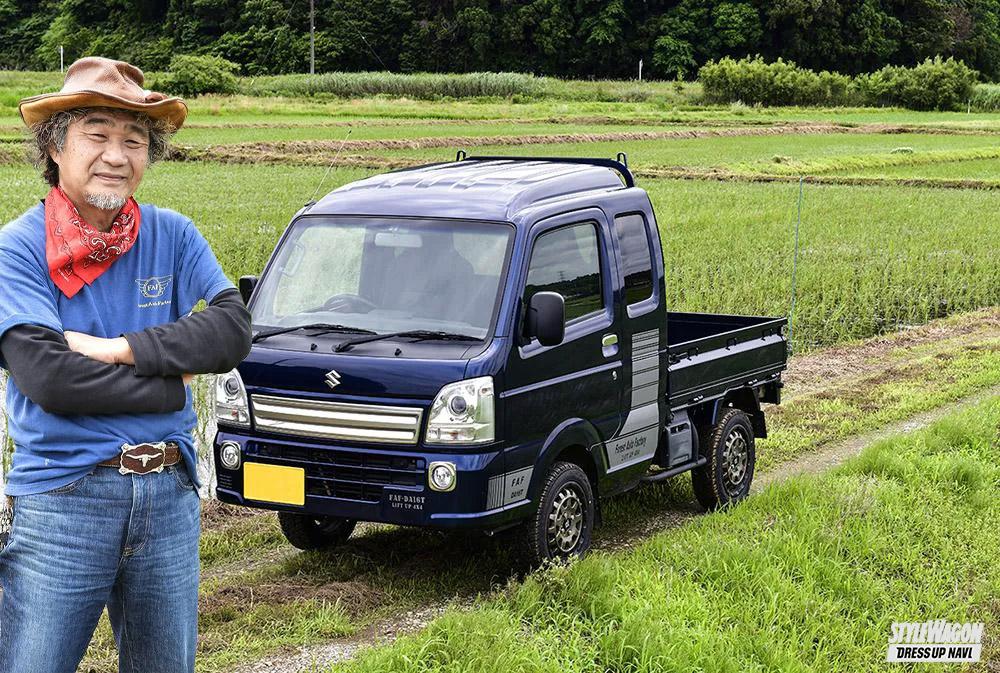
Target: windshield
386, 275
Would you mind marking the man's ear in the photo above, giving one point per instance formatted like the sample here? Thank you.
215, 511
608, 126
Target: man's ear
53, 154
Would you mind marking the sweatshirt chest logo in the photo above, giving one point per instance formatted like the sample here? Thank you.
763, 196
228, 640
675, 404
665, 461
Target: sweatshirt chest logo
153, 287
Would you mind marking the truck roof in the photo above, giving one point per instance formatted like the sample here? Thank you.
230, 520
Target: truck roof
474, 188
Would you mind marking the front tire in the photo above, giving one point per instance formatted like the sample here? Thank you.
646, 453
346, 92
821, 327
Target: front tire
564, 521
729, 446
315, 532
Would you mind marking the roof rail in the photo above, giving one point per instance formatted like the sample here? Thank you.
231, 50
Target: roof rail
619, 164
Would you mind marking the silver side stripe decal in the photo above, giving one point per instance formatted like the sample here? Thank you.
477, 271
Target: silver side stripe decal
506, 488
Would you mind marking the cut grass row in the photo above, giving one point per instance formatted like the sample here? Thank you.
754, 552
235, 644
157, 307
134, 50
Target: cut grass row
807, 576
794, 153
870, 259
986, 170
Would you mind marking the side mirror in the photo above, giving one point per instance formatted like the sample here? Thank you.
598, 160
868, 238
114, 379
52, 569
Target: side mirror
546, 318
247, 284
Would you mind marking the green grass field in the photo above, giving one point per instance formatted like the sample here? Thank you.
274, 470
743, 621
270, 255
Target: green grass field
835, 558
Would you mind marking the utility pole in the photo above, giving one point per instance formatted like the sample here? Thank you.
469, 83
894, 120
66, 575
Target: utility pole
60, 58
312, 37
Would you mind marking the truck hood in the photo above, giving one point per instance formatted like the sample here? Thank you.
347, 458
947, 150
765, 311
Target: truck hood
276, 371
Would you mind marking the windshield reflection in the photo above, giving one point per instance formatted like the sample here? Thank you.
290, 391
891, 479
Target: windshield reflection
386, 275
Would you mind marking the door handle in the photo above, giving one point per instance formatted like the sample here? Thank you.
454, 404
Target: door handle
609, 340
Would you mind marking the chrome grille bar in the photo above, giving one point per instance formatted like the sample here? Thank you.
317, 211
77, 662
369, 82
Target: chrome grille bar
337, 420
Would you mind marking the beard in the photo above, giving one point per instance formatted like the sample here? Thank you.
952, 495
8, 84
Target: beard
105, 200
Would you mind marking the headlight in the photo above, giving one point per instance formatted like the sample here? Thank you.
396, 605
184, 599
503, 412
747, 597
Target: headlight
441, 476
231, 406
462, 413
229, 455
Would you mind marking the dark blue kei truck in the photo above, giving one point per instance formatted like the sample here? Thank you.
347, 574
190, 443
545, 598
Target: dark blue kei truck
484, 343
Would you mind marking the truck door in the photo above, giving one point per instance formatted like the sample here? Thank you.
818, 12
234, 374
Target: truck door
640, 333
580, 378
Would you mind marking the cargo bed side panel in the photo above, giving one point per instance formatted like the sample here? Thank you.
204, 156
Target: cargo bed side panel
730, 352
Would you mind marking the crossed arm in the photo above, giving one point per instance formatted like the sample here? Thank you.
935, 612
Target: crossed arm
138, 372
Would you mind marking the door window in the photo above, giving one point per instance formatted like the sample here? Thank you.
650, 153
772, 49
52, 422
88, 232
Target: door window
637, 258
567, 260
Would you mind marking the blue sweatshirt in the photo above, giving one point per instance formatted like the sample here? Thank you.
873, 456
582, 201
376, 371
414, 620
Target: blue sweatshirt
161, 277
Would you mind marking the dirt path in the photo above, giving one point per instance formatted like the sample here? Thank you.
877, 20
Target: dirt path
837, 452
829, 367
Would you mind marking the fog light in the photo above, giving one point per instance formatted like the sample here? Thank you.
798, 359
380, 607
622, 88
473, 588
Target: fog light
441, 476
229, 455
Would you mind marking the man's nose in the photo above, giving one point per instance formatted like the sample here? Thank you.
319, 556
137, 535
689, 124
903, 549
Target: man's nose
114, 155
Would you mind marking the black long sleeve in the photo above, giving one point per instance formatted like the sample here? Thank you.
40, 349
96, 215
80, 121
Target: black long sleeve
214, 340
63, 381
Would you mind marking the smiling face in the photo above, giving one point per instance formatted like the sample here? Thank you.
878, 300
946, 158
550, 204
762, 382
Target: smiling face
103, 159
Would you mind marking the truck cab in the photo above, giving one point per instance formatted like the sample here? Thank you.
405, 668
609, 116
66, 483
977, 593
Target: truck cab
485, 344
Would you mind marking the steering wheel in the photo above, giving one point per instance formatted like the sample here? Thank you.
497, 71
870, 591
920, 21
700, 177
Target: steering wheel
347, 297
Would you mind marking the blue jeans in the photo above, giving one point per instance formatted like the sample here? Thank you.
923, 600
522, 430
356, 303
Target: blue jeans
129, 542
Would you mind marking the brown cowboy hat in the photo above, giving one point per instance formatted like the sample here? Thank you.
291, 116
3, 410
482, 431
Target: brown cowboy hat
94, 81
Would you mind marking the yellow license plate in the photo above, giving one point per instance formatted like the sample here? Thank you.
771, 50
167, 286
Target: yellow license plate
274, 483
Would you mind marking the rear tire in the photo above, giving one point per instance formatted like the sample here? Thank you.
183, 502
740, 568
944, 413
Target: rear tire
564, 521
315, 532
729, 446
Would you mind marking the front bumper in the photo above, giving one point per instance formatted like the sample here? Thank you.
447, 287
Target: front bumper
372, 484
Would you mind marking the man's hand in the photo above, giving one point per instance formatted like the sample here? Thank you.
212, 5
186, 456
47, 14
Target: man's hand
111, 351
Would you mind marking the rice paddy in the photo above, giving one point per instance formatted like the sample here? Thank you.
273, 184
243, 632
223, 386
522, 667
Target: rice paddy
871, 259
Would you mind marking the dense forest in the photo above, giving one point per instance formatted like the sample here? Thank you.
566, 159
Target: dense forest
569, 38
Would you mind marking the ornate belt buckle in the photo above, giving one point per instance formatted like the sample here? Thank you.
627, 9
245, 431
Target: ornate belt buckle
143, 458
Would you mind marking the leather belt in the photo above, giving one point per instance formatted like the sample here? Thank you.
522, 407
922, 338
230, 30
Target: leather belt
145, 458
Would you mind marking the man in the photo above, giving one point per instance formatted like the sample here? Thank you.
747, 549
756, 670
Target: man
94, 289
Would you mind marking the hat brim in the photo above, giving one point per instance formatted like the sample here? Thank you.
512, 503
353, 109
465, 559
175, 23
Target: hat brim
41, 107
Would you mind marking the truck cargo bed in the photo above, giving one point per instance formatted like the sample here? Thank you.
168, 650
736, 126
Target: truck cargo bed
709, 354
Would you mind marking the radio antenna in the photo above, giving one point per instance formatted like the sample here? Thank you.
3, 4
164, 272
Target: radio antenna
330, 167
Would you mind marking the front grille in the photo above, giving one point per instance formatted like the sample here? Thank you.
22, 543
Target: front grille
337, 420
340, 473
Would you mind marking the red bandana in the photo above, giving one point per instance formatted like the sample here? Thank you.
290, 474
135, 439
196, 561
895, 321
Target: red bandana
76, 252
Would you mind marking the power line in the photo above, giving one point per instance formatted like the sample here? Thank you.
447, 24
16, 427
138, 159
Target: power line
277, 33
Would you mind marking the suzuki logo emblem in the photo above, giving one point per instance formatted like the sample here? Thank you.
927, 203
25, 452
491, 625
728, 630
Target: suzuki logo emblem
332, 378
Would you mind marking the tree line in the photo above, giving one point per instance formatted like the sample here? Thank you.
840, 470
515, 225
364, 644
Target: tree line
565, 38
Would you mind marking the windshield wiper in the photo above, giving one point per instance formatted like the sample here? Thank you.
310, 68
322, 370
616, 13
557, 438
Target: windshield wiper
325, 326
416, 334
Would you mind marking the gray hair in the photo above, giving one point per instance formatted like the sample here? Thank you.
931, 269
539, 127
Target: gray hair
51, 134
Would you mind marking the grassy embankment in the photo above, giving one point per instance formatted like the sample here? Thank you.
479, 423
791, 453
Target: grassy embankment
807, 576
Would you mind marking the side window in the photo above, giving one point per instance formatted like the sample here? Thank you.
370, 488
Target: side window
637, 258
567, 261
